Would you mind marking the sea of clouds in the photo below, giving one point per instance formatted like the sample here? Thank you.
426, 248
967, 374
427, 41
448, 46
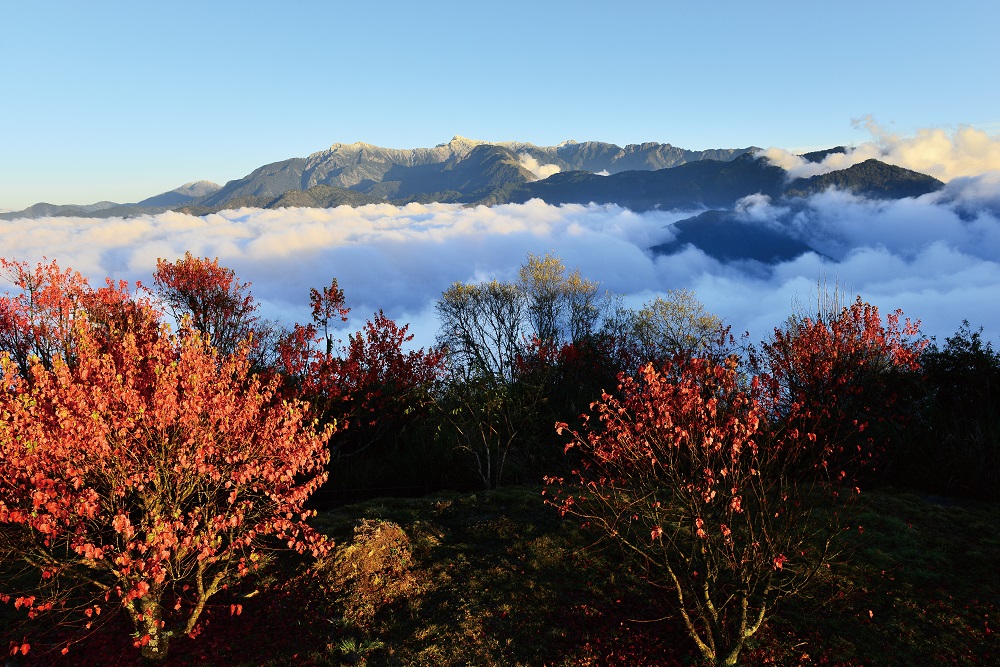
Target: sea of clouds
966, 151
937, 257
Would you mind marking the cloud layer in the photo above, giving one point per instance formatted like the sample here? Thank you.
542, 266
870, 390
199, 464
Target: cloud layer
964, 152
936, 257
539, 170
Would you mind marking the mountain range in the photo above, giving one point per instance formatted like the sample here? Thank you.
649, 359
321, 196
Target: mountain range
640, 177
462, 170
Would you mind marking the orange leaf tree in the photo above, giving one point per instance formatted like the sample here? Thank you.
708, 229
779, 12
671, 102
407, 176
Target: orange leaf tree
840, 372
217, 303
147, 472
37, 322
724, 488
683, 471
372, 387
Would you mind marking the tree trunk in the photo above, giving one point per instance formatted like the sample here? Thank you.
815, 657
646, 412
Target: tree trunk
147, 616
733, 657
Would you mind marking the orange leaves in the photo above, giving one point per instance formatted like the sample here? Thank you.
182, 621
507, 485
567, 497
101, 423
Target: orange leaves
25, 601
217, 304
121, 524
831, 378
699, 525
731, 458
371, 387
140, 455
39, 321
328, 304
90, 551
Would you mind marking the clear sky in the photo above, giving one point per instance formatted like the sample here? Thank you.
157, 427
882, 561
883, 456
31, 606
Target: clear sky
124, 100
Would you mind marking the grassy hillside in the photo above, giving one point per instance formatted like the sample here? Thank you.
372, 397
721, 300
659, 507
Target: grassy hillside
498, 578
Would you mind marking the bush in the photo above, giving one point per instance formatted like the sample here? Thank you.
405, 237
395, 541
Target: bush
843, 373
143, 471
685, 471
729, 491
373, 570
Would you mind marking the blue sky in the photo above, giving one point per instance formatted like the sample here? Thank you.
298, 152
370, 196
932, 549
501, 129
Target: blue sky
120, 101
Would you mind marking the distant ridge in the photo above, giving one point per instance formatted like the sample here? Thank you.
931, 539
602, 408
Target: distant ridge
182, 194
871, 178
392, 173
108, 209
466, 171
359, 173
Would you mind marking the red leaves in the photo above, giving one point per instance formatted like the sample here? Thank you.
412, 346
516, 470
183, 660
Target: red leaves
699, 524
139, 456
327, 305
121, 524
26, 601
830, 378
90, 551
218, 305
371, 387
739, 462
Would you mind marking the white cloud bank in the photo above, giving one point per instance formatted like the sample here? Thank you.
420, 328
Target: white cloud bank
399, 259
540, 171
936, 257
966, 151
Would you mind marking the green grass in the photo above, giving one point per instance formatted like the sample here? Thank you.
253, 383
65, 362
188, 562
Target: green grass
499, 579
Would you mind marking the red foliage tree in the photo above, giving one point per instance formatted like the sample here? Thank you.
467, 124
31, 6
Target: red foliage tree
682, 469
386, 386
326, 305
217, 303
727, 489
37, 322
838, 372
372, 386
147, 474
304, 354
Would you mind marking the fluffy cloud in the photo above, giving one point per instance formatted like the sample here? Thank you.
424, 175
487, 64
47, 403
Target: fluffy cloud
539, 170
946, 156
399, 259
936, 257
